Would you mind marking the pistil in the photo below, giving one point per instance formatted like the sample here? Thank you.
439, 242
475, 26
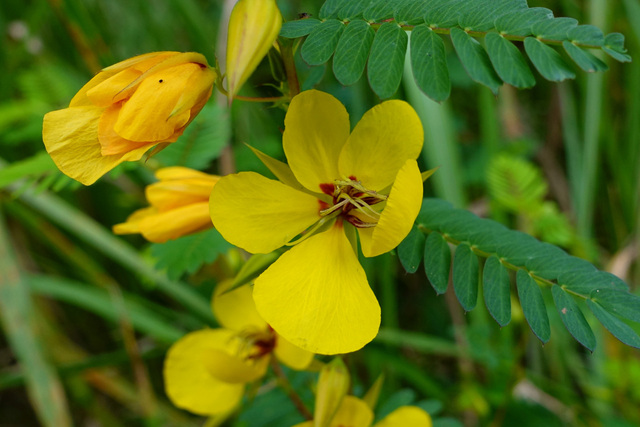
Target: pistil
349, 194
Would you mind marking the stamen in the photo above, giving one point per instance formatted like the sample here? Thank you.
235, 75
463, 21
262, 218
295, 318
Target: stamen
333, 208
364, 207
349, 194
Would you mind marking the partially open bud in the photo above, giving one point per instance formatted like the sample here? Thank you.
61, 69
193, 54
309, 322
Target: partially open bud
179, 206
125, 110
332, 387
253, 27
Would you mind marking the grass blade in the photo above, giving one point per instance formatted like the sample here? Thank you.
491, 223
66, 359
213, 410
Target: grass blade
43, 385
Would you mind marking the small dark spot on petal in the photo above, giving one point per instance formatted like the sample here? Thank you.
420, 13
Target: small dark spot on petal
160, 81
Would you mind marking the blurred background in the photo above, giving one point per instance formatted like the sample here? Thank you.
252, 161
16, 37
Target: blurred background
90, 315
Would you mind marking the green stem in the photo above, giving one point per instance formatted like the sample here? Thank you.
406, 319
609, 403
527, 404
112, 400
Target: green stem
540, 280
585, 205
286, 385
17, 315
95, 235
440, 148
287, 52
479, 34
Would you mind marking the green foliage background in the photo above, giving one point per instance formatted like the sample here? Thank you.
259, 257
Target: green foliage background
91, 314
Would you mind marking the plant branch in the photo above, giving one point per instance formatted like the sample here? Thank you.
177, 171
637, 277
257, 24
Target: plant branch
286, 385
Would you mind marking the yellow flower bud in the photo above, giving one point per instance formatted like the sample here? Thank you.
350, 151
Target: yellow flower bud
332, 387
179, 206
253, 27
126, 109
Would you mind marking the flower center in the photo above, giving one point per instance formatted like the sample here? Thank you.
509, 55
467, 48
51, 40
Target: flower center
355, 203
258, 343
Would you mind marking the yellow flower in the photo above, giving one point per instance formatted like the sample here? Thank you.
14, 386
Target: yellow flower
354, 412
253, 27
205, 372
126, 109
349, 411
316, 295
179, 206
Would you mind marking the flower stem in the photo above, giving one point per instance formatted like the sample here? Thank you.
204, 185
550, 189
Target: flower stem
286, 50
286, 385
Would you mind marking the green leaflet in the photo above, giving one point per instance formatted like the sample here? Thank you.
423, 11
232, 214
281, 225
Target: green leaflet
187, 254
411, 249
386, 60
519, 22
497, 290
378, 11
475, 60
443, 15
429, 64
533, 306
586, 34
299, 28
614, 47
352, 52
331, 8
437, 260
411, 11
352, 9
617, 327
479, 15
465, 276
322, 42
547, 61
573, 318
583, 58
509, 62
553, 29
619, 302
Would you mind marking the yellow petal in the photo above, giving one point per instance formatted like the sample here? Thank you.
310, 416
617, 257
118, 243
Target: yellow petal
406, 416
199, 88
316, 128
110, 142
189, 383
355, 413
253, 27
383, 140
402, 208
232, 358
147, 115
179, 172
141, 62
259, 214
236, 310
138, 64
81, 99
317, 296
71, 138
292, 356
132, 225
171, 194
112, 90
176, 222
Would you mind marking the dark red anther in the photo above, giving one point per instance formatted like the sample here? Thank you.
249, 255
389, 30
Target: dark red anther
328, 189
